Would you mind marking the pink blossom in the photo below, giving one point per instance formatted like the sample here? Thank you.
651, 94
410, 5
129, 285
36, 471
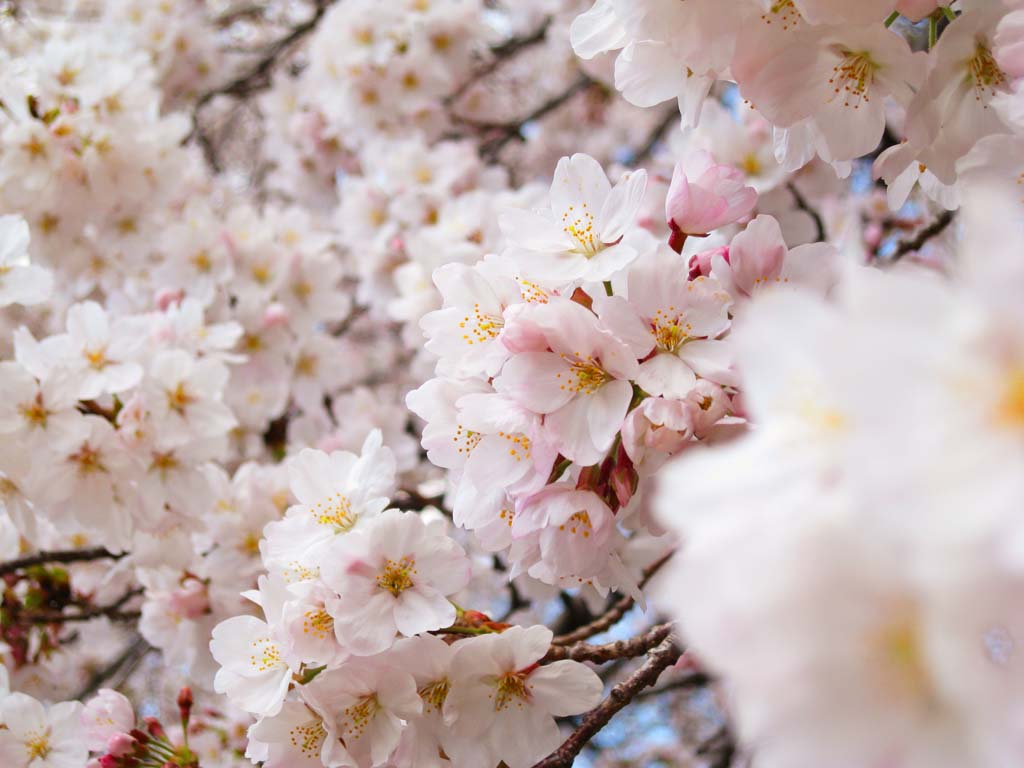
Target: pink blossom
704, 195
105, 717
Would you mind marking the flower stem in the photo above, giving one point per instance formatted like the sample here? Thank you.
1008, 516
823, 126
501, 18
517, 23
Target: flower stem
892, 17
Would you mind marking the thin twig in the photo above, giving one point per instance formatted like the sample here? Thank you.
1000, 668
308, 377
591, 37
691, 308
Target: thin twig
128, 658
254, 79
917, 242
61, 556
719, 749
512, 130
500, 54
621, 649
87, 613
613, 615
803, 205
660, 659
643, 153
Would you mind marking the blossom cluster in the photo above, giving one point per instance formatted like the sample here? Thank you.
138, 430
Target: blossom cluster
343, 668
361, 363
827, 75
575, 363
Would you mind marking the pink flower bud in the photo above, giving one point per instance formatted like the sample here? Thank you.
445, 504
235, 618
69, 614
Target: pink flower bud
700, 263
120, 745
704, 196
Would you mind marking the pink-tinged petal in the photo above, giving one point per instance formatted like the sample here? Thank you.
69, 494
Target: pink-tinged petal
422, 609
533, 231
367, 628
565, 688
569, 428
579, 187
711, 360
537, 381
607, 411
666, 375
528, 644
757, 253
621, 318
309, 475
597, 30
621, 206
647, 72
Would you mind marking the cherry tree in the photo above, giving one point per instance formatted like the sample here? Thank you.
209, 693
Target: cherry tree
493, 384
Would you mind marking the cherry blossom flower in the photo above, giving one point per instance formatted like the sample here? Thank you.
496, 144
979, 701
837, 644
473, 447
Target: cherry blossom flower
585, 232
36, 737
577, 374
107, 713
394, 575
498, 693
364, 705
704, 196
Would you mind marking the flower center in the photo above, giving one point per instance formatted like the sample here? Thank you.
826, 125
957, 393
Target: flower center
97, 358
37, 746
335, 511
396, 577
359, 715
852, 77
308, 738
318, 623
510, 688
782, 12
468, 439
34, 412
578, 523
265, 654
670, 330
584, 376
434, 695
985, 73
88, 460
580, 227
179, 398
479, 327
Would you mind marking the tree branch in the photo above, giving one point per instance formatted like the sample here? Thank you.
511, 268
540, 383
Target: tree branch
499, 54
660, 659
64, 556
621, 649
614, 614
507, 131
87, 613
918, 242
254, 79
643, 153
127, 659
803, 205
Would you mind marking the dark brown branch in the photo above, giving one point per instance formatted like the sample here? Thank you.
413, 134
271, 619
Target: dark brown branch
127, 660
65, 556
621, 649
720, 749
660, 659
87, 613
500, 54
643, 153
803, 205
254, 79
917, 242
613, 615
503, 133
